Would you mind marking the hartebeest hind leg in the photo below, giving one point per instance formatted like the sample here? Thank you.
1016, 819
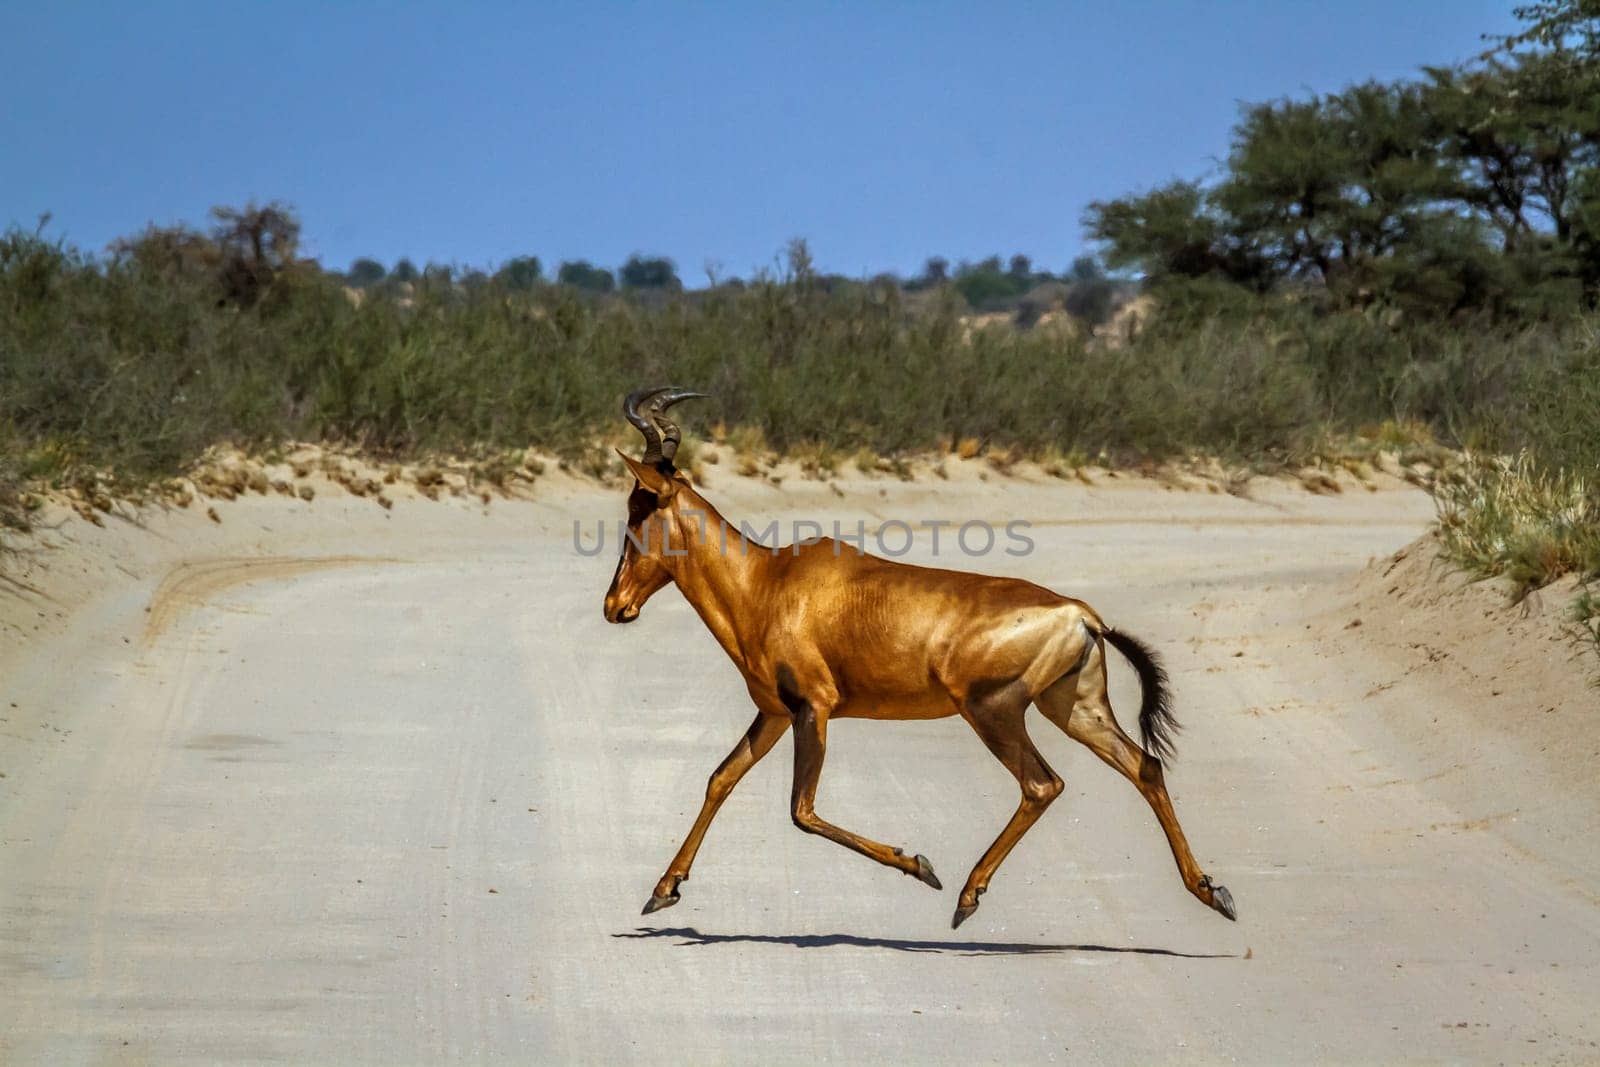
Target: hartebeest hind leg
810, 747
997, 714
757, 742
1079, 704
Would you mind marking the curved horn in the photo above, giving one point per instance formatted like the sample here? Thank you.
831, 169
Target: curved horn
646, 409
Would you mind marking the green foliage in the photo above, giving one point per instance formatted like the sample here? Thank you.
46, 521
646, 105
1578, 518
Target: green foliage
1176, 231
247, 252
935, 272
13, 511
1586, 613
1571, 27
1084, 291
520, 274
649, 272
1092, 294
134, 366
581, 274
364, 273
1327, 185
1473, 188
255, 247
985, 286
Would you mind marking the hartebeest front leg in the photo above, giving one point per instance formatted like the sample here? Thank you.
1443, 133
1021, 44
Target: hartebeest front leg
810, 747
757, 742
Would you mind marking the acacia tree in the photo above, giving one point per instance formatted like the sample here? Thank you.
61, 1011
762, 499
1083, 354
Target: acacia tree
247, 250
1177, 231
520, 274
1092, 294
366, 272
1351, 192
256, 244
649, 272
581, 274
1474, 186
171, 252
935, 272
1571, 27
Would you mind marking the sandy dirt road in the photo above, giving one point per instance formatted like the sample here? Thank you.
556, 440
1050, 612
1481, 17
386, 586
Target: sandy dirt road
399, 798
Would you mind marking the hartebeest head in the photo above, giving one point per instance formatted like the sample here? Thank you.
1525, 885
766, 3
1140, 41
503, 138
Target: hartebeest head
642, 571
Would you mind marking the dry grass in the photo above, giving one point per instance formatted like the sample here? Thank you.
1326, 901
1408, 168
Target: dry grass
13, 505
819, 461
1059, 464
1003, 459
1509, 516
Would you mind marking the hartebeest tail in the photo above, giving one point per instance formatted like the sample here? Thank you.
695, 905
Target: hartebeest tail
1157, 724
821, 633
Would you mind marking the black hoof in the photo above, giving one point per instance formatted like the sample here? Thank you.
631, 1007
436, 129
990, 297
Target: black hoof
962, 914
657, 903
1222, 900
924, 872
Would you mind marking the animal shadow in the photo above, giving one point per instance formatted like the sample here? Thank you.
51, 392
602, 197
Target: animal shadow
689, 936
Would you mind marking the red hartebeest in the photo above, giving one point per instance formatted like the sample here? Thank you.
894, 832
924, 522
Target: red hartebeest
820, 634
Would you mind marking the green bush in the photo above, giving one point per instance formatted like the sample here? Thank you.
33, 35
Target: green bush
133, 365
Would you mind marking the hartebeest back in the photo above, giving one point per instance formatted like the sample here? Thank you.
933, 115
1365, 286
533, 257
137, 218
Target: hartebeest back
821, 633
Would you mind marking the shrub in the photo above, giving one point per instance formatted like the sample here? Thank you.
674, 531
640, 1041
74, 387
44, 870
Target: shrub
1511, 517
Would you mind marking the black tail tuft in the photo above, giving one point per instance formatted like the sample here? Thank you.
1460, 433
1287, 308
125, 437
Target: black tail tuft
1157, 724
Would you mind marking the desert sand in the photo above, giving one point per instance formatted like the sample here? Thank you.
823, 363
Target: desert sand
326, 782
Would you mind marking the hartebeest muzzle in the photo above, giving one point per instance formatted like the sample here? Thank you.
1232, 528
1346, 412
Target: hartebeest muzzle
619, 611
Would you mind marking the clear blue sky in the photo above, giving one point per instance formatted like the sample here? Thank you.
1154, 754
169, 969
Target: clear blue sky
710, 133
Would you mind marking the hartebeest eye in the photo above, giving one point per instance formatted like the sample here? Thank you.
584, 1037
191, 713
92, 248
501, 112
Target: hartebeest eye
641, 505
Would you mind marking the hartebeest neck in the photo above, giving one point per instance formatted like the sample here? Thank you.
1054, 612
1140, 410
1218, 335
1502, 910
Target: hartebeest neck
719, 571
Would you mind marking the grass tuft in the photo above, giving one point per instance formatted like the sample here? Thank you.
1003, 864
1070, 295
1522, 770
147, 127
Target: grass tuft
1509, 516
1586, 613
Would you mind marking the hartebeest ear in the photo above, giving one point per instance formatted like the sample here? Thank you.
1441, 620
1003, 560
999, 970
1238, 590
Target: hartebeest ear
660, 484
